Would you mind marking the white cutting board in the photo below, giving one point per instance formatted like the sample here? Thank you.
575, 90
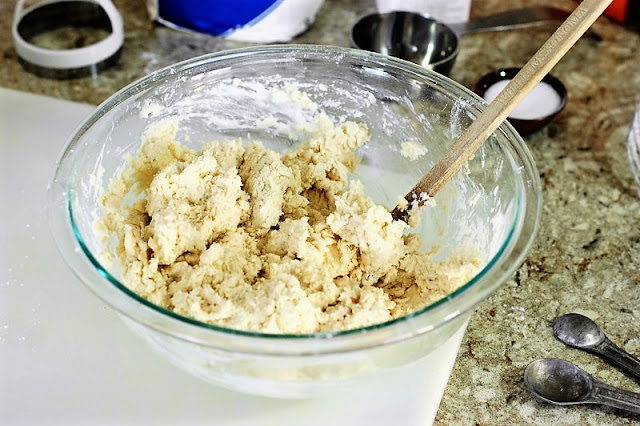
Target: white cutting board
66, 358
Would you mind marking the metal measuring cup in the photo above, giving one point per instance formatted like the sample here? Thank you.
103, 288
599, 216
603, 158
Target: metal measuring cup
431, 43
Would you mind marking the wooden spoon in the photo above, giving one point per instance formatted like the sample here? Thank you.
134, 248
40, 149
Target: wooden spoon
499, 109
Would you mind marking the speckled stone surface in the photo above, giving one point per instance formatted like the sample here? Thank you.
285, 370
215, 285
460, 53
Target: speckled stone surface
586, 257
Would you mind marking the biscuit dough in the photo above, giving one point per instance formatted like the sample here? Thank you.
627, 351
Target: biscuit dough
412, 150
241, 237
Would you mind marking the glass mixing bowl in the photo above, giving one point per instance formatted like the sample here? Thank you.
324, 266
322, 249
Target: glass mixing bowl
493, 204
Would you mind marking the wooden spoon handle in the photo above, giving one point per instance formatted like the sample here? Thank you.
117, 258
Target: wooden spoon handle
499, 109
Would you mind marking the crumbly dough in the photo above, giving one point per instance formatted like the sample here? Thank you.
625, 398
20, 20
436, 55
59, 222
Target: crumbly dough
241, 237
412, 150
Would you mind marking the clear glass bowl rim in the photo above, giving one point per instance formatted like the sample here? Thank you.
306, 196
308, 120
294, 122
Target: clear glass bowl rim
428, 318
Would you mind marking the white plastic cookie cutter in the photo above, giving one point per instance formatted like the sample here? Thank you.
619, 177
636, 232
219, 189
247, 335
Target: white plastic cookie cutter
49, 15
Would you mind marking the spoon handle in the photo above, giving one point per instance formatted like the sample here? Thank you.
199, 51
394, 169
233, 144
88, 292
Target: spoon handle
603, 393
497, 111
609, 351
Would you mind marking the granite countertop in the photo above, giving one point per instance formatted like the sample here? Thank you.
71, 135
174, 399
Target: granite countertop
586, 257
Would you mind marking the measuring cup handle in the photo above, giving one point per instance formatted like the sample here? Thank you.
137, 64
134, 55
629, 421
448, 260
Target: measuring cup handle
511, 19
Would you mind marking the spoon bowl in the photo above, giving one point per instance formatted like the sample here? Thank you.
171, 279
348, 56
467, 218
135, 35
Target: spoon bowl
558, 381
578, 331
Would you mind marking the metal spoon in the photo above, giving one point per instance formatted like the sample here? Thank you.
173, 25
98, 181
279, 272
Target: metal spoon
560, 382
581, 332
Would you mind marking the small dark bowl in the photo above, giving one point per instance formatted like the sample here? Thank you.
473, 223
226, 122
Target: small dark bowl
523, 126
